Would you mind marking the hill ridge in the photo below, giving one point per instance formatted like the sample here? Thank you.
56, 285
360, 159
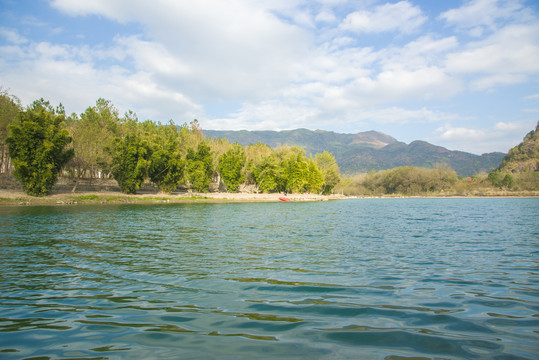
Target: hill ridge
368, 150
523, 157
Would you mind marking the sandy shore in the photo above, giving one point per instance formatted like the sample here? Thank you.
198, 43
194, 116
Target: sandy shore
97, 191
12, 197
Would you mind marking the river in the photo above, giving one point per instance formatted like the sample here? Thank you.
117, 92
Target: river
350, 279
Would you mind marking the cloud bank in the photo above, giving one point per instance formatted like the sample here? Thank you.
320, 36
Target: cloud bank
329, 64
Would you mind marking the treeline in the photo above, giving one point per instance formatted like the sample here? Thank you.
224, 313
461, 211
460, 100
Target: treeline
517, 173
406, 180
44, 142
410, 181
40, 142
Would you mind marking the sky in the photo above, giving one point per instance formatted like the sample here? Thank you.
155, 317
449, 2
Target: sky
463, 74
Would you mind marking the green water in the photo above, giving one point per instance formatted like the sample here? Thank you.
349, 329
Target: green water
352, 279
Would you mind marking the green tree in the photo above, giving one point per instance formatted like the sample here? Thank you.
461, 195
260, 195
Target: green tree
190, 135
268, 174
167, 167
494, 178
92, 134
129, 162
295, 168
315, 178
255, 154
37, 146
330, 171
10, 106
508, 181
200, 167
230, 167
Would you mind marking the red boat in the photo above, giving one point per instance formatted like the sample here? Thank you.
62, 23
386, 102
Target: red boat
282, 198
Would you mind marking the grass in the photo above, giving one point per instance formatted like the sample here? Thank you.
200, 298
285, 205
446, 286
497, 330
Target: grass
152, 198
197, 198
112, 198
90, 197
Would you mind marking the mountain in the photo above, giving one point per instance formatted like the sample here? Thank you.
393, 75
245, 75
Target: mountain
523, 157
364, 151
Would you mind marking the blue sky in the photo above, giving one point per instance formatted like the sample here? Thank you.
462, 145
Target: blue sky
460, 74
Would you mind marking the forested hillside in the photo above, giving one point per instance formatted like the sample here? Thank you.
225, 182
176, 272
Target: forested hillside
521, 164
366, 151
524, 157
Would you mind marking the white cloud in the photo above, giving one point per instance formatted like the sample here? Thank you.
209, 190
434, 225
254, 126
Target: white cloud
402, 16
480, 140
507, 126
12, 36
400, 116
326, 16
237, 49
508, 56
286, 63
479, 16
399, 84
153, 57
423, 52
490, 81
514, 48
69, 74
532, 97
89, 7
275, 115
451, 133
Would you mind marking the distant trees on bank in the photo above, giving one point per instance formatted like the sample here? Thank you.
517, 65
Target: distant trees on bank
99, 143
40, 142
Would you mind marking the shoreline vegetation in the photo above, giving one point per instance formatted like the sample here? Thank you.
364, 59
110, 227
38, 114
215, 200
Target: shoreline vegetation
19, 198
98, 156
10, 197
107, 192
101, 191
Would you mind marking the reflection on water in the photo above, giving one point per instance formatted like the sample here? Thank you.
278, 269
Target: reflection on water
377, 278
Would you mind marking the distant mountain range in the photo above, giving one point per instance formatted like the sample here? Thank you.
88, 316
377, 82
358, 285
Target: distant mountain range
365, 151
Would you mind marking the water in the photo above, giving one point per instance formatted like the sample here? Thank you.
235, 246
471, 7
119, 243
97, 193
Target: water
367, 278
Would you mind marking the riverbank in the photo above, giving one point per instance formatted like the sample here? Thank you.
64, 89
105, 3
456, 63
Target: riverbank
104, 191
19, 198
13, 197
99, 191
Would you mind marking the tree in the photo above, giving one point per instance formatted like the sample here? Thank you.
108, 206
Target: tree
10, 106
315, 178
129, 162
295, 168
330, 171
254, 155
166, 168
508, 181
92, 134
230, 166
190, 135
494, 178
200, 167
37, 146
268, 174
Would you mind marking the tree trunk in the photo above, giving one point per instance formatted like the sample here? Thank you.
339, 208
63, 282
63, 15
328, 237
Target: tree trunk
2, 163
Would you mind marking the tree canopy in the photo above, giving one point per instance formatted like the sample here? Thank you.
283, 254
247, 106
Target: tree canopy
40, 142
38, 147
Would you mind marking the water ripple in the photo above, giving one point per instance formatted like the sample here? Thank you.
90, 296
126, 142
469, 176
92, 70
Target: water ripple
372, 279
